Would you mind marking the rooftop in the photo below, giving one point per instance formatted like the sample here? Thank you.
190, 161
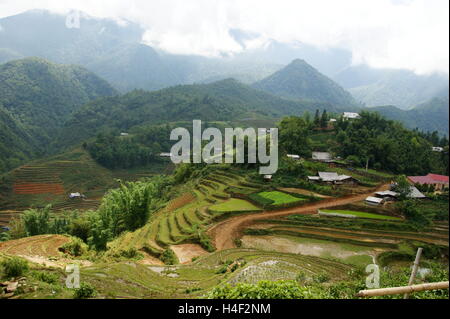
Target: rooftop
429, 179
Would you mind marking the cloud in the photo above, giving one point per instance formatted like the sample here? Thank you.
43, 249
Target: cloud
410, 34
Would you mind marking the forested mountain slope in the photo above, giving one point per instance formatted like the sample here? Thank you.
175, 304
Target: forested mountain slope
36, 97
299, 80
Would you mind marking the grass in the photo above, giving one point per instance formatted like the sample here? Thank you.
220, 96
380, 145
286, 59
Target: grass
280, 198
234, 204
361, 214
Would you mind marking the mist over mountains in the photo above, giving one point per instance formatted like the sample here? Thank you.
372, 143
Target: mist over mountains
39, 97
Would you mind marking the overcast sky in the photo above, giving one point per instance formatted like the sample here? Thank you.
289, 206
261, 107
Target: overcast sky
412, 34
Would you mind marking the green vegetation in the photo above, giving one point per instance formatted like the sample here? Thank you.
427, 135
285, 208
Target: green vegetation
14, 267
55, 90
85, 291
234, 205
265, 290
360, 214
386, 145
279, 198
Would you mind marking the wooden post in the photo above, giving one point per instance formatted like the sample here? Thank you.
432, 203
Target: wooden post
402, 290
414, 270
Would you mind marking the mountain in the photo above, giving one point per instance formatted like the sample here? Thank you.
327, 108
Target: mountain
430, 116
226, 100
36, 97
115, 52
16, 144
401, 88
299, 80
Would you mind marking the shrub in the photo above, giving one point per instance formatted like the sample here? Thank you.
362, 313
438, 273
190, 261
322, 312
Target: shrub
284, 289
48, 277
321, 278
75, 247
85, 291
14, 267
168, 257
129, 253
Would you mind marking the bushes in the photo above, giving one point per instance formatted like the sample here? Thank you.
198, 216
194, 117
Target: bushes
85, 291
168, 257
285, 289
14, 267
44, 276
409, 209
75, 247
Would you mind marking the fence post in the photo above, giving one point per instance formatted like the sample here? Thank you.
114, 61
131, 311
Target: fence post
414, 270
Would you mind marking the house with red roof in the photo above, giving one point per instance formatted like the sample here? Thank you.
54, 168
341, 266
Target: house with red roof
438, 181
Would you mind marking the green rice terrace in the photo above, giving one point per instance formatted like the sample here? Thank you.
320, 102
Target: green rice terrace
227, 226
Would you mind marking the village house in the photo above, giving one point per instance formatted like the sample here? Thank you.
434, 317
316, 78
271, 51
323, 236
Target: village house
416, 194
267, 177
437, 149
375, 201
124, 134
438, 181
387, 195
75, 195
333, 178
293, 156
324, 157
350, 116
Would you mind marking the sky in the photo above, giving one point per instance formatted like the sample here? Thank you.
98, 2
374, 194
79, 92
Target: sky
409, 34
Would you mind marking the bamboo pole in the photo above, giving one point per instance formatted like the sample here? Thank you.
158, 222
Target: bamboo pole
402, 290
414, 270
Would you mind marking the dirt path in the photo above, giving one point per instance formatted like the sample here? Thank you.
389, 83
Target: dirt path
224, 233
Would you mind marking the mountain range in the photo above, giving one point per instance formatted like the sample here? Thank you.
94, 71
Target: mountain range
117, 53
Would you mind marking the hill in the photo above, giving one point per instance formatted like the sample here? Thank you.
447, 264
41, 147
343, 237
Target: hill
430, 116
299, 80
401, 88
226, 100
36, 96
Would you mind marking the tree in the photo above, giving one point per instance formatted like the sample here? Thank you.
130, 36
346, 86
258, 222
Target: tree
317, 119
293, 136
324, 119
402, 187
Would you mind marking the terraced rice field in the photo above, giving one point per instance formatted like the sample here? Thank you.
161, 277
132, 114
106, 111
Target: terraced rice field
184, 217
43, 245
359, 214
234, 204
364, 236
143, 281
280, 198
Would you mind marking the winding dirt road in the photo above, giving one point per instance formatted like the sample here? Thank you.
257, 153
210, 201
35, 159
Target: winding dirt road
224, 233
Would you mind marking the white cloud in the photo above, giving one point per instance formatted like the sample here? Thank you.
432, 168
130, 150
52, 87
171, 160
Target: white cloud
410, 34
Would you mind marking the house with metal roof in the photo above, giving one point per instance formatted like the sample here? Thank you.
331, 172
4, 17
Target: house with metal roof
322, 157
350, 115
374, 200
438, 181
332, 178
